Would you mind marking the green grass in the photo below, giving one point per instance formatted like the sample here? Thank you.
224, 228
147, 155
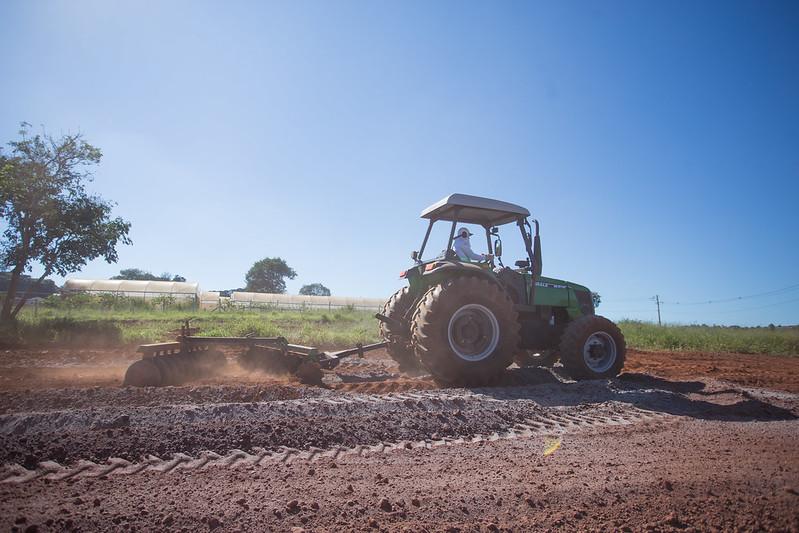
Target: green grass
337, 329
92, 327
647, 336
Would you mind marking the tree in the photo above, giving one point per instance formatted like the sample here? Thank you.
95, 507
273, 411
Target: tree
269, 275
134, 274
227, 293
144, 275
51, 220
314, 289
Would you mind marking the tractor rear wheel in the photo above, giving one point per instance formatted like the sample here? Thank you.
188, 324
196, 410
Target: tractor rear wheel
465, 331
399, 339
592, 347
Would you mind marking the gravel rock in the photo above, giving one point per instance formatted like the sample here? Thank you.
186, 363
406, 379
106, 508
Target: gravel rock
293, 507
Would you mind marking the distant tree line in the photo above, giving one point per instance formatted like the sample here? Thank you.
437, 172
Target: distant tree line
314, 289
269, 275
143, 275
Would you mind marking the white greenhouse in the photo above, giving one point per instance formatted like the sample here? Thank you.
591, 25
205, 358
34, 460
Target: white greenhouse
210, 300
146, 290
297, 301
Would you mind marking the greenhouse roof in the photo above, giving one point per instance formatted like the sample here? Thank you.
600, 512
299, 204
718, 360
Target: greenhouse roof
127, 285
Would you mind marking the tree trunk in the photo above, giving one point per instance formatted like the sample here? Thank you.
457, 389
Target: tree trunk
5, 312
24, 297
21, 259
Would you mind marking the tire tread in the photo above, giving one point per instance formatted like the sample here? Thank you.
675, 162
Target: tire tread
433, 350
399, 347
571, 346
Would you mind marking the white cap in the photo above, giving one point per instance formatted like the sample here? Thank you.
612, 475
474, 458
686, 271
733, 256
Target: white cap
461, 231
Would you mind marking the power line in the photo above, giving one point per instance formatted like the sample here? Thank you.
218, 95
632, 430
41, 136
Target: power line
744, 309
642, 299
737, 298
652, 310
659, 303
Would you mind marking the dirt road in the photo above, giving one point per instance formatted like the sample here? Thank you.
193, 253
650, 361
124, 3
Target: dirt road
666, 446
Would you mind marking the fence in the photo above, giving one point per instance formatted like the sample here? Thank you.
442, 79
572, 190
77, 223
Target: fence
249, 300
33, 302
127, 293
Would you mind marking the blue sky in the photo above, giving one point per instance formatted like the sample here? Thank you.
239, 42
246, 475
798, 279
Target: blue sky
657, 142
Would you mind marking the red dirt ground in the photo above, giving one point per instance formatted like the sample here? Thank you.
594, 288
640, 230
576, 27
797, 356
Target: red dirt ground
681, 442
55, 368
764, 371
687, 477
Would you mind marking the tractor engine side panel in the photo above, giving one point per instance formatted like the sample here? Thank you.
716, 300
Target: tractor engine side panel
551, 292
542, 329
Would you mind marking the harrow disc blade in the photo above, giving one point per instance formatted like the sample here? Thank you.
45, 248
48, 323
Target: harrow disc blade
310, 373
270, 360
281, 362
143, 373
174, 369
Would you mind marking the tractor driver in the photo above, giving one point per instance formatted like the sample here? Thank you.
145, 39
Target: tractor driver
463, 249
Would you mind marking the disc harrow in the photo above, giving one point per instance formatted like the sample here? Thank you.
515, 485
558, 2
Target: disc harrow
191, 357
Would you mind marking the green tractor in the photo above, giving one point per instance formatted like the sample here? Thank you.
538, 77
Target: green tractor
465, 322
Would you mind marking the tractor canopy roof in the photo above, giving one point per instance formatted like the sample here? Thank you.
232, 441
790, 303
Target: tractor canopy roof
474, 210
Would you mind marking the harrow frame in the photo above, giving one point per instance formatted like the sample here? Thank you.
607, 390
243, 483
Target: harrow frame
192, 356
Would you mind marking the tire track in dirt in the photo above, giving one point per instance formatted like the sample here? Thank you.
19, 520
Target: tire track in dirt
386, 382
395, 384
551, 424
334, 418
329, 419
329, 405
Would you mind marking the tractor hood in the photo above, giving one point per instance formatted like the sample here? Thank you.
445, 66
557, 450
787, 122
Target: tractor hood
560, 284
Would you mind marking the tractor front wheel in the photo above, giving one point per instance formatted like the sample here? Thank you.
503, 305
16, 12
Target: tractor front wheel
592, 347
465, 331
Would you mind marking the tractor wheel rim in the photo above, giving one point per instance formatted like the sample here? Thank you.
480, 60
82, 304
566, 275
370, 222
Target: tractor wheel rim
473, 332
599, 352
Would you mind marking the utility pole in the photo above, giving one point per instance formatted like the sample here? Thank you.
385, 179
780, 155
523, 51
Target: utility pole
657, 301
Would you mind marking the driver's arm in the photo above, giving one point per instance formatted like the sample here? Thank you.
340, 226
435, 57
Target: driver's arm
466, 250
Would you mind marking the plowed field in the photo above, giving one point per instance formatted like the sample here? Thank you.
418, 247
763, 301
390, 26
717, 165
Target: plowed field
680, 441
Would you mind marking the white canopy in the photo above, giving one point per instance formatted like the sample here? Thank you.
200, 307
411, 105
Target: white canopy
475, 210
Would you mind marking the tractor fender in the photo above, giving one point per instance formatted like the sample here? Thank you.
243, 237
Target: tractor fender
447, 269
438, 271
